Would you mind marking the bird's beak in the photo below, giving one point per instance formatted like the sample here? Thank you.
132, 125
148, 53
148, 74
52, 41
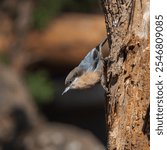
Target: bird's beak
66, 89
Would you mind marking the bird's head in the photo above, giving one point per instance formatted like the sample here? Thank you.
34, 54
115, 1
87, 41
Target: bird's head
71, 80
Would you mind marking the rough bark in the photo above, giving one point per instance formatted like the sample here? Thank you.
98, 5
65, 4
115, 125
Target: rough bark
127, 74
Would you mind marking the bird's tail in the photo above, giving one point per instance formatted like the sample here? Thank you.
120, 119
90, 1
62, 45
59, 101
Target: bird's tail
98, 47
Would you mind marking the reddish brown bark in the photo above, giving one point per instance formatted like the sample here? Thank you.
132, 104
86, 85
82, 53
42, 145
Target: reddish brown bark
127, 111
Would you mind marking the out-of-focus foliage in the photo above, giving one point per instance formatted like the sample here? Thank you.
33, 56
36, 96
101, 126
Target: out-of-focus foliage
4, 59
40, 86
45, 10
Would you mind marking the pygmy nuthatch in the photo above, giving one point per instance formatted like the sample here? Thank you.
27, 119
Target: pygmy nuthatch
88, 72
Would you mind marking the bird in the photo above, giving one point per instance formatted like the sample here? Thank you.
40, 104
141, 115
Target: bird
89, 72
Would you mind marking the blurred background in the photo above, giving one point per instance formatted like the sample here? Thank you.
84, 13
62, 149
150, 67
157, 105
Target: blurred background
40, 42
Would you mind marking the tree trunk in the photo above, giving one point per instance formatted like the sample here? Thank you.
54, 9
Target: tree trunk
127, 74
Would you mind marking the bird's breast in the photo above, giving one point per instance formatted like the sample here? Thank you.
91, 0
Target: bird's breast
88, 80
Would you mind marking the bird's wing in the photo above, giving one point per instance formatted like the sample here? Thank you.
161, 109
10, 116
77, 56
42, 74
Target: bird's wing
90, 61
